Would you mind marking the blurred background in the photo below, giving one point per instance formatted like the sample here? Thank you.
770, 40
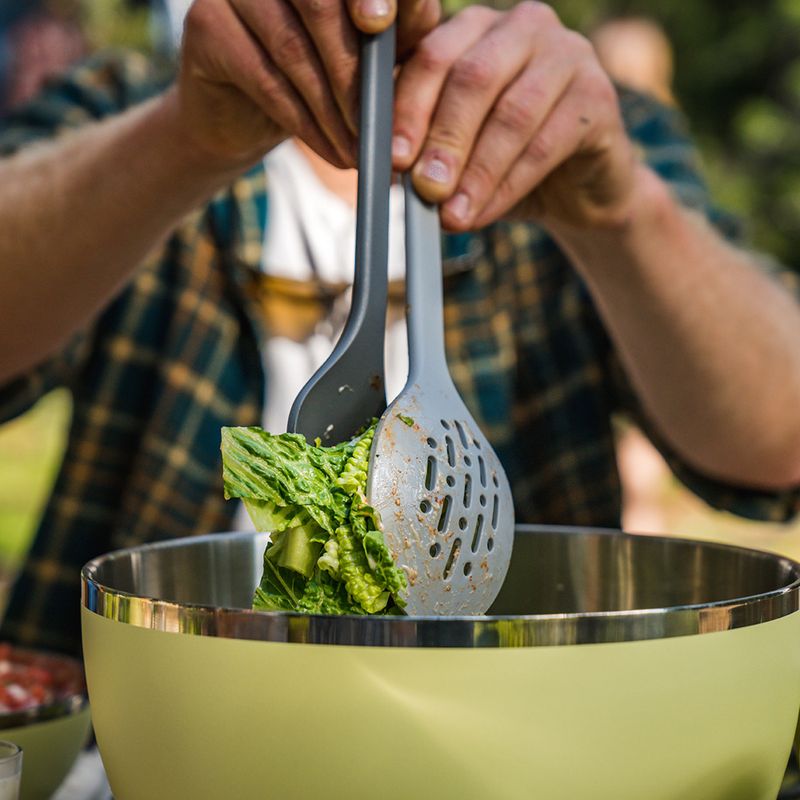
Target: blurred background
733, 68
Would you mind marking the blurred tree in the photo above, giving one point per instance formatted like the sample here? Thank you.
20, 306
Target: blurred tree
737, 76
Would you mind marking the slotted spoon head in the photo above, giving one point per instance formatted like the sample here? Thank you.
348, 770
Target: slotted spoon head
444, 501
442, 494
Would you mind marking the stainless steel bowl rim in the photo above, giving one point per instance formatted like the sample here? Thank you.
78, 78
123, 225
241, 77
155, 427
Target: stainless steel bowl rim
522, 630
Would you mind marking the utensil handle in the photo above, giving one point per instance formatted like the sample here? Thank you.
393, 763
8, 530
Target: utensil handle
424, 294
370, 281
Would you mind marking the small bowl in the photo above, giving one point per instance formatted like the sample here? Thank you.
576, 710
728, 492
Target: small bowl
51, 734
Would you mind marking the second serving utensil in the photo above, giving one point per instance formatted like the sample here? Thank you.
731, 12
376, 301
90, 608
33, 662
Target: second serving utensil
441, 492
348, 390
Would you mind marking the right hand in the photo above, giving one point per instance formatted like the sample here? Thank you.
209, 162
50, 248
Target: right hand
254, 72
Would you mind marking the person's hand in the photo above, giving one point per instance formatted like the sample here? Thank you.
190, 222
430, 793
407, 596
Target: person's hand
510, 114
256, 71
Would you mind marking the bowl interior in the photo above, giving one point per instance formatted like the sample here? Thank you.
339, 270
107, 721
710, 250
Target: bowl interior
553, 571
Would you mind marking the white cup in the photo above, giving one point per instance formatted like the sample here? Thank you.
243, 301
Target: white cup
10, 770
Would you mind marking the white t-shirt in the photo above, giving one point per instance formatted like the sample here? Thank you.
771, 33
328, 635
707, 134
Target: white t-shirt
311, 231
174, 12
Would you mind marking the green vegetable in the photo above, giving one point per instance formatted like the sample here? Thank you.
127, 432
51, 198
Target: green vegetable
327, 554
406, 420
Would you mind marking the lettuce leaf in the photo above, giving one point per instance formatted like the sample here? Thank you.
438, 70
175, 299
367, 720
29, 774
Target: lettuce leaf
327, 554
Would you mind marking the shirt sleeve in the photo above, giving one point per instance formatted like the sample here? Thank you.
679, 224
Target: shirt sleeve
104, 85
664, 143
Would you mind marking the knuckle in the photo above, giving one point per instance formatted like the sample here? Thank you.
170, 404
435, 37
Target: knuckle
474, 73
514, 112
317, 10
598, 87
577, 43
478, 177
450, 139
540, 150
342, 76
291, 46
477, 14
507, 194
539, 14
264, 83
422, 17
431, 57
406, 118
429, 16
200, 18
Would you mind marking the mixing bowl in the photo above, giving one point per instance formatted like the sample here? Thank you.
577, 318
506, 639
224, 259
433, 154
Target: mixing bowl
612, 667
52, 734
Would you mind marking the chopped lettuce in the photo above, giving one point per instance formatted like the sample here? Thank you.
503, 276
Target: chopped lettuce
326, 553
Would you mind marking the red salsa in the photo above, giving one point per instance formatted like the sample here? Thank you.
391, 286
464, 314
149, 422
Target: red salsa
29, 679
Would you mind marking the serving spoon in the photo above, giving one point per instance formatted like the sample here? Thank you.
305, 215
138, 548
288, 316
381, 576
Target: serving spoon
443, 497
349, 389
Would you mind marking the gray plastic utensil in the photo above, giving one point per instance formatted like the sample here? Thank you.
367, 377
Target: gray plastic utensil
442, 494
349, 390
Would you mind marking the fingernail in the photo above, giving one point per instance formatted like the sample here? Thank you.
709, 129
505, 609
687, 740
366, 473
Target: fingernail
459, 206
401, 147
436, 170
374, 9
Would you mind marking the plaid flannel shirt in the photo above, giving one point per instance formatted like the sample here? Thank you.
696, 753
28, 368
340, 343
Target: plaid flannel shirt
176, 356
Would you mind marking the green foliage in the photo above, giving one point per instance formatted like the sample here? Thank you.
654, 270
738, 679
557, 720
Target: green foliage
738, 80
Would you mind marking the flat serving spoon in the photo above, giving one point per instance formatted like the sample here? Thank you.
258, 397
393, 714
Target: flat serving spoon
349, 389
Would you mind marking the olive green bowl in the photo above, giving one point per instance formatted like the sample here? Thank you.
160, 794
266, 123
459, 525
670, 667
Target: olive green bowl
612, 667
51, 736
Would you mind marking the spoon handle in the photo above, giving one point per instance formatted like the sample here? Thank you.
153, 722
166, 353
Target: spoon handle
349, 389
370, 284
425, 312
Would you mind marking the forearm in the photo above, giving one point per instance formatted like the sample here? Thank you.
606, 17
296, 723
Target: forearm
711, 344
78, 215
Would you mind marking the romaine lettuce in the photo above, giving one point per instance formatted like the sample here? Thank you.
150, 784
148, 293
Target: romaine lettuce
327, 554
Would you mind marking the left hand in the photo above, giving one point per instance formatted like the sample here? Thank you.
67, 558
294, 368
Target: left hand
254, 72
510, 114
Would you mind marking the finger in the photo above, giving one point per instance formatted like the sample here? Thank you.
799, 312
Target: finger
563, 136
255, 75
415, 19
372, 16
475, 83
290, 49
512, 125
337, 46
422, 77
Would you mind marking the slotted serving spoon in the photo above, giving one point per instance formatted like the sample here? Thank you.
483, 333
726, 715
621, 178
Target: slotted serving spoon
442, 494
349, 390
